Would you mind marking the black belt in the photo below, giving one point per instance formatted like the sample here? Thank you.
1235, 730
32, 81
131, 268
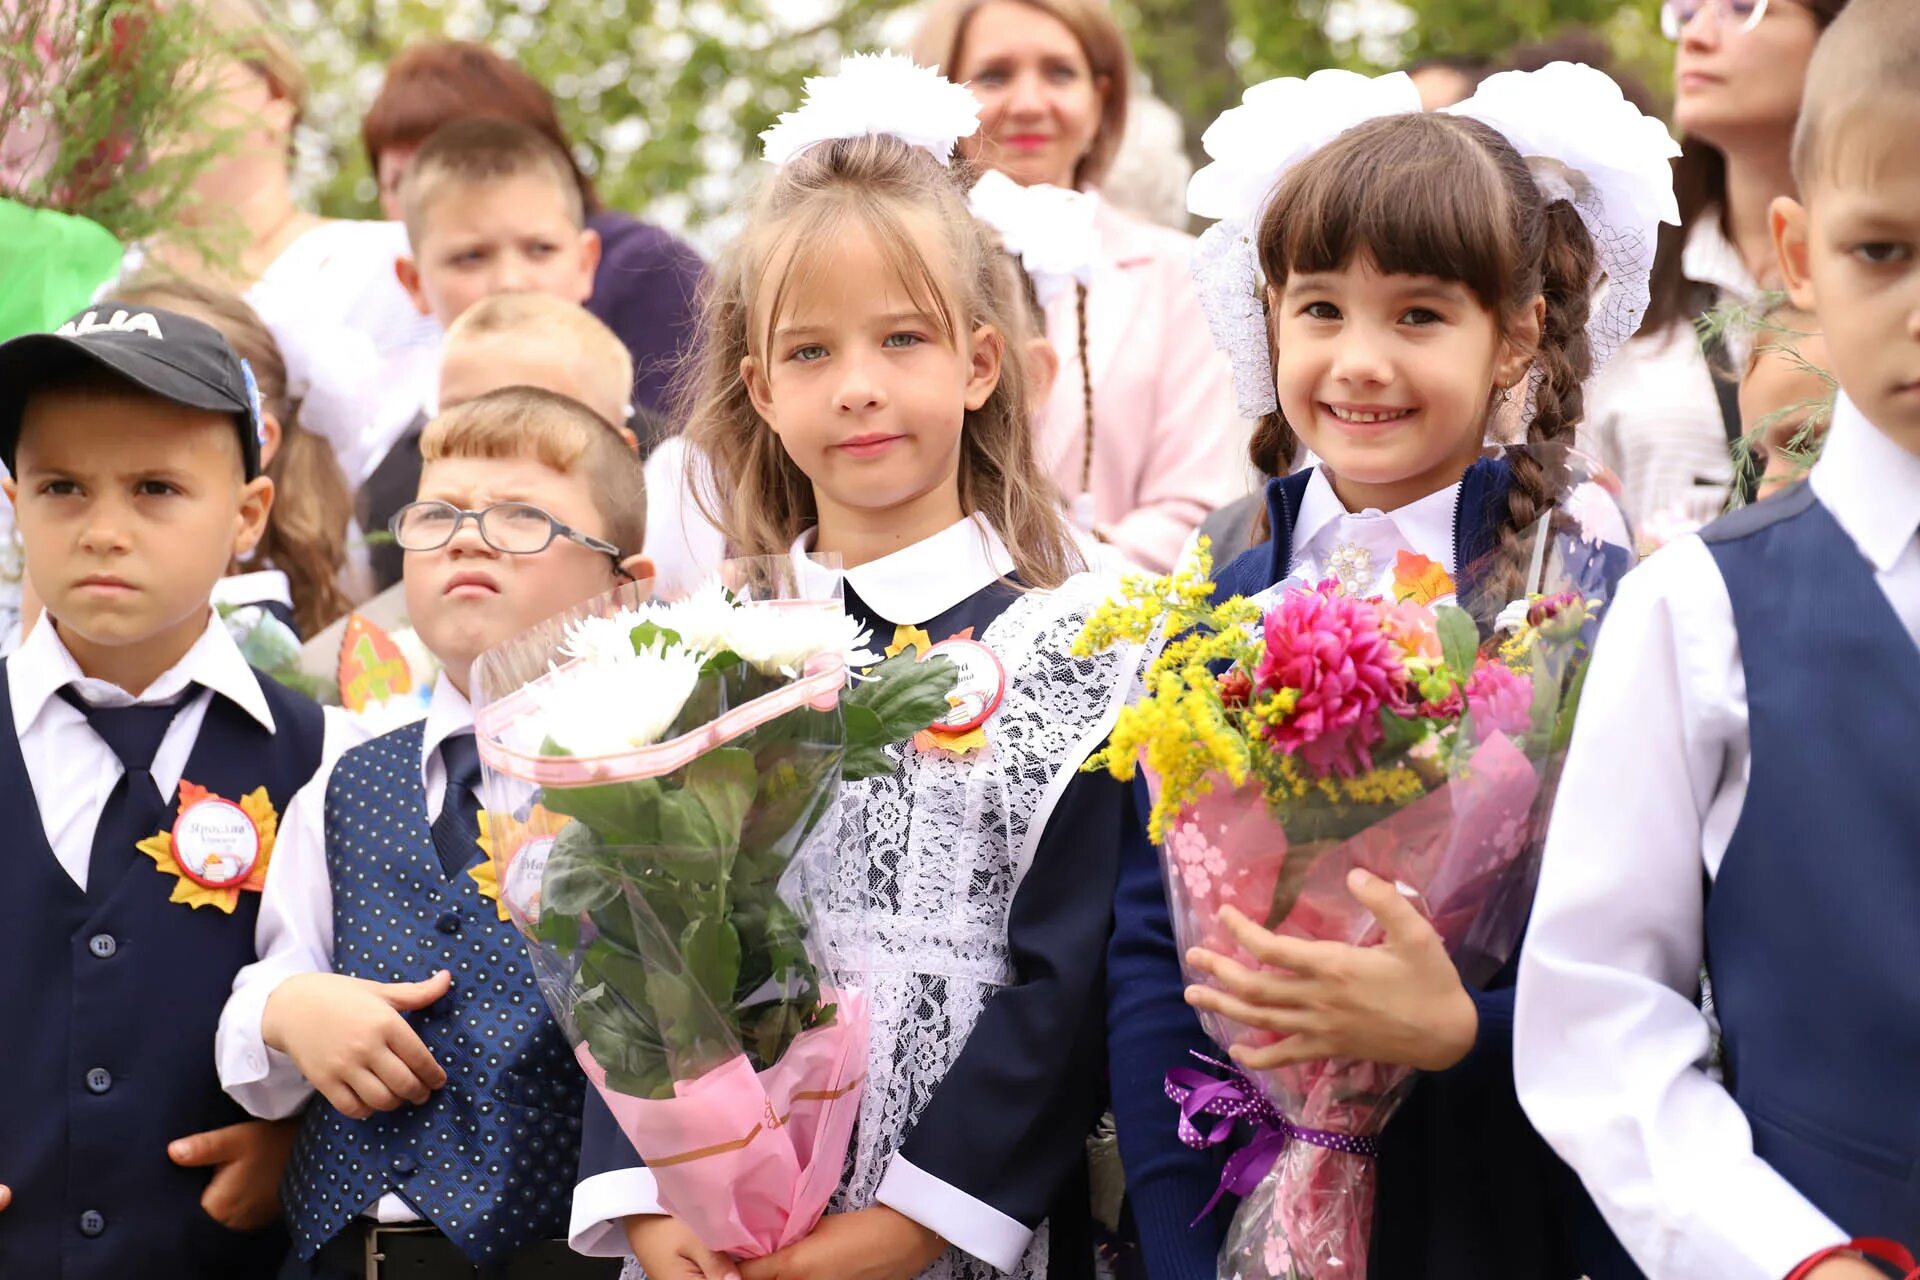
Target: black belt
413, 1251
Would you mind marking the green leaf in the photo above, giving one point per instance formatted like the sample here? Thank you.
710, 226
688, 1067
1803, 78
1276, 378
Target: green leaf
1459, 640
1401, 733
712, 951
620, 813
724, 780
647, 634
576, 880
725, 660
867, 744
904, 693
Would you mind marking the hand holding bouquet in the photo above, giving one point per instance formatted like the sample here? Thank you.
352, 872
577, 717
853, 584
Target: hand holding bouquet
1288, 742
653, 775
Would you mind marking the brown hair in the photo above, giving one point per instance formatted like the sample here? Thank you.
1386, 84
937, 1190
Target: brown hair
1020, 287
556, 431
877, 185
1700, 188
1446, 196
436, 82
1871, 52
306, 536
940, 43
257, 41
470, 153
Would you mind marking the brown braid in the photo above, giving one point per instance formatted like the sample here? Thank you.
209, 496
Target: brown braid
1086, 386
1564, 361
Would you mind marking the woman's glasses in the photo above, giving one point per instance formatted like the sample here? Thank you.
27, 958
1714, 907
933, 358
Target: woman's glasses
1740, 15
514, 528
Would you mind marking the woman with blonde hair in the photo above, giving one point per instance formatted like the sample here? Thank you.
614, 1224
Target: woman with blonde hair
1140, 434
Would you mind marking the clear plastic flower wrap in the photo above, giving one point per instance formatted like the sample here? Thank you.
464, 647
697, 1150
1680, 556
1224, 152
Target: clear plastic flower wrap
1291, 738
655, 776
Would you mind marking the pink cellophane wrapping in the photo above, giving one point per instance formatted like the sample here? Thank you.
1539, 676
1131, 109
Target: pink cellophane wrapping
1451, 851
749, 1160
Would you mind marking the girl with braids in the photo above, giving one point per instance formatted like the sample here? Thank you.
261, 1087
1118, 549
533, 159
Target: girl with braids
857, 395
1384, 289
295, 572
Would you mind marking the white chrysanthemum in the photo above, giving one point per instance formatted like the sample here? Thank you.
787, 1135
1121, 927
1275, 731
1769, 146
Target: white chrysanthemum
603, 708
779, 640
1050, 229
607, 638
878, 93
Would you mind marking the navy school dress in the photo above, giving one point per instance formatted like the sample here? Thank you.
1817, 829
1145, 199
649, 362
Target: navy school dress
1467, 1190
1818, 1014
984, 1131
489, 1158
111, 1008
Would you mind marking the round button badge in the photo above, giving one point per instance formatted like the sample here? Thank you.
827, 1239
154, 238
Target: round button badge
526, 871
216, 844
977, 693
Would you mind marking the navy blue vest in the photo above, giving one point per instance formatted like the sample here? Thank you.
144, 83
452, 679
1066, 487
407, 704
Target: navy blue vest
492, 1157
110, 1010
1811, 922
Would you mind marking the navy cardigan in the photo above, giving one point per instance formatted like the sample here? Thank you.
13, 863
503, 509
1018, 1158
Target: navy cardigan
1467, 1190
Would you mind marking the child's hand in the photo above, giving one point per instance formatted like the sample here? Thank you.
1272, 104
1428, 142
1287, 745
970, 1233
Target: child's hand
668, 1250
248, 1159
347, 1037
1846, 1269
6, 1196
869, 1244
1399, 1002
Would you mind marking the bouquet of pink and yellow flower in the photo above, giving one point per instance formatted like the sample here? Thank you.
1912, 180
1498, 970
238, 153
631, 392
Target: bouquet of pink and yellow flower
1287, 741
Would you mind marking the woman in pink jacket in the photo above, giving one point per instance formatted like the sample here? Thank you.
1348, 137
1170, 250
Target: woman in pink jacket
1140, 433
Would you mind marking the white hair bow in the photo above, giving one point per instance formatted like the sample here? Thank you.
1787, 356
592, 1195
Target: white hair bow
877, 93
1050, 229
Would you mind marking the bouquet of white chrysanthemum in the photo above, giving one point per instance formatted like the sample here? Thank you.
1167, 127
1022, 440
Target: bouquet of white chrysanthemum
653, 772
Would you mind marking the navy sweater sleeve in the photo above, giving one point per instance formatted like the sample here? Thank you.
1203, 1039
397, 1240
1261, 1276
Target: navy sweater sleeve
1150, 1030
603, 1148
1008, 1123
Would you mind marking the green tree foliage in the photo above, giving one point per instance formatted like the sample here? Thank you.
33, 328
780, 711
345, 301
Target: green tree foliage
664, 97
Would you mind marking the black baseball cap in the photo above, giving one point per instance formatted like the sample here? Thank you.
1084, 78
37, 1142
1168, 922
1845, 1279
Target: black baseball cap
175, 357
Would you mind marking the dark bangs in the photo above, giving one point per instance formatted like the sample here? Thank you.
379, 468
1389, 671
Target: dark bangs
1417, 194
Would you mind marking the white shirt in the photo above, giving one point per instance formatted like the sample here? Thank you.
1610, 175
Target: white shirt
72, 770
1324, 526
1653, 414
685, 547
294, 934
910, 585
1608, 1045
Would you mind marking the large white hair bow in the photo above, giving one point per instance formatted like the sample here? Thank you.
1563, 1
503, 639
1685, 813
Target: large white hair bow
1050, 229
875, 93
1584, 142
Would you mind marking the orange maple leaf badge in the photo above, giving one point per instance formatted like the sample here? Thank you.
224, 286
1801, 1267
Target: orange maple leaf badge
1419, 579
217, 863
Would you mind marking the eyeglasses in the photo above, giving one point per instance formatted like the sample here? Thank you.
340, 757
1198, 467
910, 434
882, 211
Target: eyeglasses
1741, 15
513, 528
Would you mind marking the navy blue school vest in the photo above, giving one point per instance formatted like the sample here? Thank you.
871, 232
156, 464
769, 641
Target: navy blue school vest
492, 1157
1813, 918
110, 1010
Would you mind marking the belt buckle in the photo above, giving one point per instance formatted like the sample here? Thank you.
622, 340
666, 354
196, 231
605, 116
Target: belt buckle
374, 1257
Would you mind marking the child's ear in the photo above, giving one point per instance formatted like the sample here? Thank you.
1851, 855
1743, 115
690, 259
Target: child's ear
1041, 360
271, 434
754, 375
638, 566
11, 488
250, 525
407, 272
1522, 344
589, 263
988, 349
1788, 218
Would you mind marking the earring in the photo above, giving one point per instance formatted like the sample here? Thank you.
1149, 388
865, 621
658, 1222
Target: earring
1506, 394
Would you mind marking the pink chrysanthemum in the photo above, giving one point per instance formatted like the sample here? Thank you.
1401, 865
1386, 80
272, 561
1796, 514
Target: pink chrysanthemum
1332, 648
1499, 700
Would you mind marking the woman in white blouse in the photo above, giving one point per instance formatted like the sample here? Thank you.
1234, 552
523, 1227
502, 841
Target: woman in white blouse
1140, 433
1657, 416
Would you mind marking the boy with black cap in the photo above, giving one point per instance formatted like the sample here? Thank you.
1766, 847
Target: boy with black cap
148, 765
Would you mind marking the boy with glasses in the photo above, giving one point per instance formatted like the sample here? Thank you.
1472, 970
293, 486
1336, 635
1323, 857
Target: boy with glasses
446, 1134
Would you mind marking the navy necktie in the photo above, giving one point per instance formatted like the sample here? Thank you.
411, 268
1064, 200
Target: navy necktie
135, 809
456, 832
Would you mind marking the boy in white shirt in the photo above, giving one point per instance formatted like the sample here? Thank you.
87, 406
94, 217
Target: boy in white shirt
1739, 793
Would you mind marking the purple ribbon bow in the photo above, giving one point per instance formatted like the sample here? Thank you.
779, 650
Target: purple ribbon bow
1234, 1099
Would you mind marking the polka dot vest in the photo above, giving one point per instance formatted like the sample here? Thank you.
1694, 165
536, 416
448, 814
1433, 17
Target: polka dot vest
491, 1159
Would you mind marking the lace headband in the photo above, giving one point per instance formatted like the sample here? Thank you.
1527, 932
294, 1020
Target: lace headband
877, 93
1583, 141
1050, 229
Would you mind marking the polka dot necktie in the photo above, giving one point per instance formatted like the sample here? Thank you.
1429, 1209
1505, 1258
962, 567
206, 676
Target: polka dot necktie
456, 832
